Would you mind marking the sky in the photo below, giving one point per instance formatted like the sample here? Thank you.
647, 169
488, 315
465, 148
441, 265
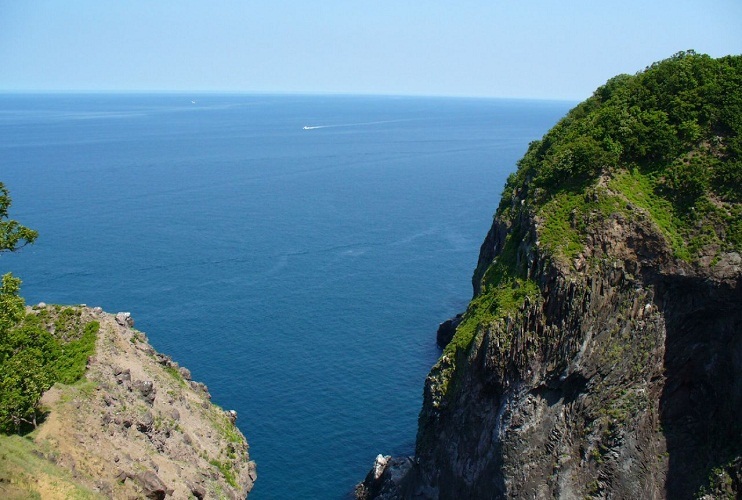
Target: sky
539, 49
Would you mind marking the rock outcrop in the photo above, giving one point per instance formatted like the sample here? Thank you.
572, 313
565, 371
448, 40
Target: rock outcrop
137, 427
600, 357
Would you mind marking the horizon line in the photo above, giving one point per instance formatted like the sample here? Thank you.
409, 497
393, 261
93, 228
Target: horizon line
276, 93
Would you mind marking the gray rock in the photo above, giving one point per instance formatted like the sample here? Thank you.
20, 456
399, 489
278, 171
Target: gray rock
198, 386
152, 485
123, 476
197, 490
147, 389
388, 479
380, 465
122, 376
446, 330
145, 348
145, 422
124, 319
164, 359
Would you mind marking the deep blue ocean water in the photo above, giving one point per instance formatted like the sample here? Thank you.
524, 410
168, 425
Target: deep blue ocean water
300, 273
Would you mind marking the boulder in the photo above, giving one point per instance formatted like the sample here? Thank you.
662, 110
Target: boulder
145, 422
124, 319
122, 376
380, 465
197, 490
152, 485
147, 389
446, 330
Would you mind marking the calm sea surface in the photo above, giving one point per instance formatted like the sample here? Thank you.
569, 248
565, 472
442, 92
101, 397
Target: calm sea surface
300, 273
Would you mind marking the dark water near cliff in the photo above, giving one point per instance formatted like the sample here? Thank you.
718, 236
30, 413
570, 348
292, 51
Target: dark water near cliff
300, 274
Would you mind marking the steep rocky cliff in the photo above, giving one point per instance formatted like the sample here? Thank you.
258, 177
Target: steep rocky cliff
601, 354
135, 426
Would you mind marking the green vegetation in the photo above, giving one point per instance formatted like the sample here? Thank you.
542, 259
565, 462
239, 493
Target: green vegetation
667, 140
225, 467
175, 373
12, 234
662, 146
224, 427
36, 349
504, 289
720, 481
32, 358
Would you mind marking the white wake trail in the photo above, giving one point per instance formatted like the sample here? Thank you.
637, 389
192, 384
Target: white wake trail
312, 127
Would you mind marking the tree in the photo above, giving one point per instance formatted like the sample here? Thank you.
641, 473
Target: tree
22, 381
32, 359
12, 309
12, 234
12, 237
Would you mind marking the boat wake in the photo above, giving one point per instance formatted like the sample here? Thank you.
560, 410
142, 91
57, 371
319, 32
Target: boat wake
340, 125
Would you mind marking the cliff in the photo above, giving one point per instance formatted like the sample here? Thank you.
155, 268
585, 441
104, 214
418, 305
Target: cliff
135, 426
601, 354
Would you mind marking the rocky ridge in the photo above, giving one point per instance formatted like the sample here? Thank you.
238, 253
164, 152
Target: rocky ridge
137, 426
601, 353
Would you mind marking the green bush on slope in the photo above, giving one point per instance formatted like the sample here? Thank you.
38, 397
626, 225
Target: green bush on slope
32, 359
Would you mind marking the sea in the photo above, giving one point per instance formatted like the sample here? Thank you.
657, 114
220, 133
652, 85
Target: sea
295, 252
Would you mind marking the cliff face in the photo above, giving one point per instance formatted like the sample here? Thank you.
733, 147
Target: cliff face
136, 426
620, 380
602, 351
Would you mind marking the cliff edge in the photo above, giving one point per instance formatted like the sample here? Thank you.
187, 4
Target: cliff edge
135, 426
601, 354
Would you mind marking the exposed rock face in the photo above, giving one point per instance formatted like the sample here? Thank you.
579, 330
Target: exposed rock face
621, 381
136, 428
447, 330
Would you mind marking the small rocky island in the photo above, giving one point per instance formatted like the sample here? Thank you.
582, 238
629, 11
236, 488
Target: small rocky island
134, 426
601, 354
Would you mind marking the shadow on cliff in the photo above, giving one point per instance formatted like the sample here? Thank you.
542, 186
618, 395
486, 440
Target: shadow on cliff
702, 395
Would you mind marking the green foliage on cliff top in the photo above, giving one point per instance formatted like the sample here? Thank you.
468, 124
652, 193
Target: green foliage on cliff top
664, 144
667, 139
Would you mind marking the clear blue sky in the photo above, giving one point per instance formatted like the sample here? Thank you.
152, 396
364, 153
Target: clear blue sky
552, 49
